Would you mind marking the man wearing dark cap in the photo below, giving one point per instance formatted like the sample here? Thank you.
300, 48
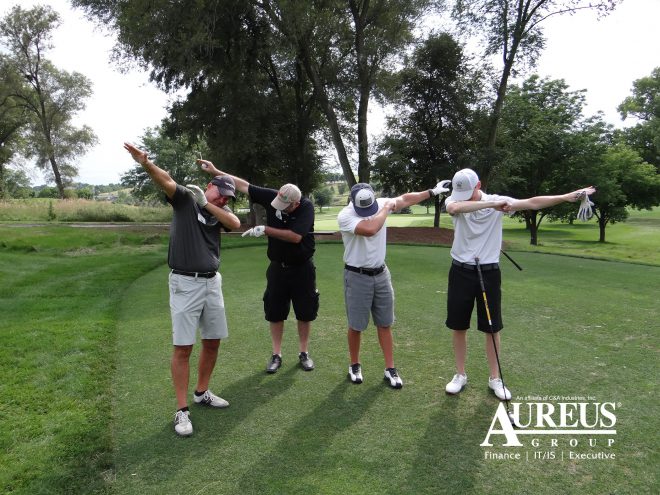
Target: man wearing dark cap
367, 282
291, 274
196, 299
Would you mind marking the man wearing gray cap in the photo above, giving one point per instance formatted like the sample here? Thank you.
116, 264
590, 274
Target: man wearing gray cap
291, 274
196, 299
367, 282
477, 219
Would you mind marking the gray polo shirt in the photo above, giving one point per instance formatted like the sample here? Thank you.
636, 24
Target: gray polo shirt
194, 246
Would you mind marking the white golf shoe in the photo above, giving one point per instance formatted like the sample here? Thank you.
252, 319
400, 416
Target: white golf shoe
182, 425
456, 384
496, 385
392, 377
210, 399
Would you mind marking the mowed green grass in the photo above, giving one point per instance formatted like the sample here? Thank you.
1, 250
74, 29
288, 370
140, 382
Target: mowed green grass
88, 390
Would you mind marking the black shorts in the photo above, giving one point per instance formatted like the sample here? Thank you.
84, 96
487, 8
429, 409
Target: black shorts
291, 284
464, 289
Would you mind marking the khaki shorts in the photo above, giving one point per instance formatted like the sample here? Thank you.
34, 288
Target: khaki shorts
196, 302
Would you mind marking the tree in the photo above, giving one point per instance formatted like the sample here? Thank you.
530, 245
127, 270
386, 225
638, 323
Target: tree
172, 155
623, 180
49, 96
434, 129
322, 197
327, 56
12, 123
644, 105
512, 30
543, 133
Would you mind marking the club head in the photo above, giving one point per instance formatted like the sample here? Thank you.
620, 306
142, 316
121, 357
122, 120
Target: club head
512, 419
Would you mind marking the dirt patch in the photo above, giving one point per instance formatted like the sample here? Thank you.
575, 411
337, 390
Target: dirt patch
408, 235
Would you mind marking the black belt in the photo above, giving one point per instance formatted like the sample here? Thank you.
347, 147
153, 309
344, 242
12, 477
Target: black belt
195, 274
366, 271
484, 268
288, 265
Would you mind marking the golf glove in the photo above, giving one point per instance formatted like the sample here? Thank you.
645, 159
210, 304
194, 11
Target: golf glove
257, 231
197, 194
441, 187
585, 212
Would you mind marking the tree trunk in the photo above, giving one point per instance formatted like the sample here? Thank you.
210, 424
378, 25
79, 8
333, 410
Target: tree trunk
330, 115
438, 207
602, 223
533, 228
58, 176
491, 151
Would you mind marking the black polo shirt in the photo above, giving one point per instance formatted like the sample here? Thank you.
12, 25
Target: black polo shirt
300, 221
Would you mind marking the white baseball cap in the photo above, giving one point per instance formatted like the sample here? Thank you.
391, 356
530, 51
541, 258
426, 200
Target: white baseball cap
463, 184
288, 193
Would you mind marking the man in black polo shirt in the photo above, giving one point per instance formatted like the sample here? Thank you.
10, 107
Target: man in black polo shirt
195, 284
291, 275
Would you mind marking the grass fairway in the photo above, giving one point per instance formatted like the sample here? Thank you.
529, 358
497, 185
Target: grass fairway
87, 401
574, 328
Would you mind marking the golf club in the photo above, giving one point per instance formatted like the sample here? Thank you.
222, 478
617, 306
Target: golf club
511, 260
492, 335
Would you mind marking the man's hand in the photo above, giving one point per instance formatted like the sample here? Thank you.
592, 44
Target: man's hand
197, 194
257, 231
579, 195
389, 206
441, 188
138, 155
208, 167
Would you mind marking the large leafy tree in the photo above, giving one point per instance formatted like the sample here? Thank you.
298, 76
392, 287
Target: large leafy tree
50, 97
434, 128
644, 105
543, 131
623, 181
248, 97
12, 123
327, 56
512, 30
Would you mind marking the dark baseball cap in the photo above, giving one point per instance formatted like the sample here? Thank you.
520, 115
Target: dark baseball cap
225, 185
364, 200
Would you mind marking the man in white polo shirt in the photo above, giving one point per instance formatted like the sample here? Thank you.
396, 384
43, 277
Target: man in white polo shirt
477, 219
367, 282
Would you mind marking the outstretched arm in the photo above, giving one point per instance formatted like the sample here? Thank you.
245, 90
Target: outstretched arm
157, 174
540, 202
208, 167
413, 198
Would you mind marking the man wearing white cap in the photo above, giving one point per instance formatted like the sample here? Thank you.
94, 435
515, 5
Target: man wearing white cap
367, 282
291, 275
477, 219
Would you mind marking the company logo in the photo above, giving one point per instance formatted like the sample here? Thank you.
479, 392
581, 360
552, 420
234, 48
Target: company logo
544, 418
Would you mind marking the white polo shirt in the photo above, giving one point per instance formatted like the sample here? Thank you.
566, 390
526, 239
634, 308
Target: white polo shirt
478, 234
359, 250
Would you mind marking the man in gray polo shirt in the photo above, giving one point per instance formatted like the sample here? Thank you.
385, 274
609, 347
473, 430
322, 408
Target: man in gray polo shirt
195, 284
367, 282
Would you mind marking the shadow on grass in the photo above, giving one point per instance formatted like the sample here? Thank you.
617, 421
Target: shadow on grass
448, 457
162, 454
306, 454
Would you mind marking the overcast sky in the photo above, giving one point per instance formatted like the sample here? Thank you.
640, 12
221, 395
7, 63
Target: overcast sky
602, 56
